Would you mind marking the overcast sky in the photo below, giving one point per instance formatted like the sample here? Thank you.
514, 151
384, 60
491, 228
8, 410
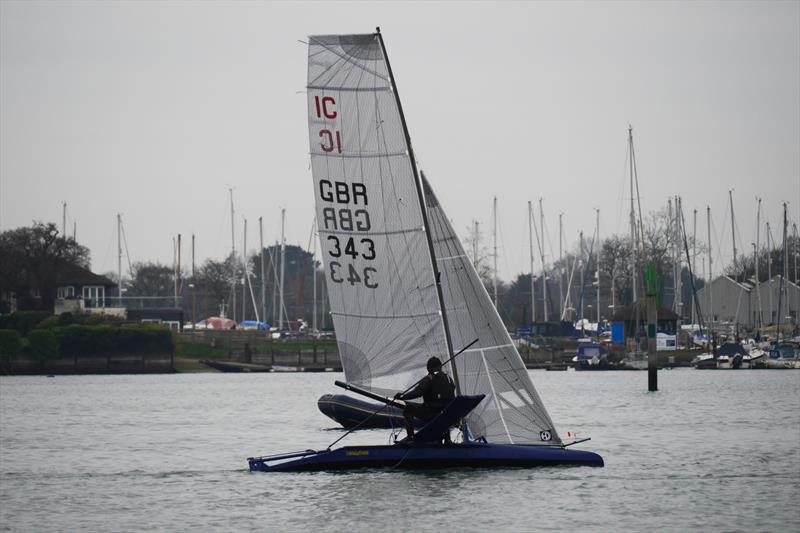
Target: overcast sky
155, 109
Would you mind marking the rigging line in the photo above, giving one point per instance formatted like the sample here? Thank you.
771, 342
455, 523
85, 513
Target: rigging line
549, 241
720, 260
127, 254
638, 195
621, 189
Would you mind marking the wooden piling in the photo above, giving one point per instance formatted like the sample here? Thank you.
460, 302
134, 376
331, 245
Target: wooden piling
652, 322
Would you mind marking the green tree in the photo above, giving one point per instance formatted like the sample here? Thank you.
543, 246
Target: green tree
152, 279
10, 344
31, 257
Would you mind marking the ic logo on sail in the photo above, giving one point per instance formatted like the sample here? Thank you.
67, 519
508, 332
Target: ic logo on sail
545, 435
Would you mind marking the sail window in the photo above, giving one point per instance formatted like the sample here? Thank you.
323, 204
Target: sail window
513, 398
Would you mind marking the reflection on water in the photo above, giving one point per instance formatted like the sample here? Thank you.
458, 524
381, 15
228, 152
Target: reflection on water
709, 451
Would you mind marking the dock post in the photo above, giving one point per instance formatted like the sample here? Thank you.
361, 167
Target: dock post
652, 322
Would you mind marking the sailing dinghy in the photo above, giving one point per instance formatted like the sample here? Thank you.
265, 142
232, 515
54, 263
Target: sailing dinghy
402, 289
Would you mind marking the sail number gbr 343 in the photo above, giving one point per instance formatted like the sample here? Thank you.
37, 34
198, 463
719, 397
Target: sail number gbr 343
348, 215
347, 212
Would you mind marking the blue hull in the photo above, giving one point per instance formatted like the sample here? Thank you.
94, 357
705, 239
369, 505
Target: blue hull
433, 456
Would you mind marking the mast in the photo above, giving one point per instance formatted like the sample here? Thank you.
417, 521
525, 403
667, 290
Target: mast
530, 241
634, 243
693, 264
421, 199
283, 269
733, 234
597, 267
244, 270
584, 262
263, 276
541, 252
797, 293
561, 263
178, 271
233, 262
759, 318
679, 230
119, 260
671, 242
710, 276
494, 241
64, 220
690, 263
194, 289
769, 271
784, 269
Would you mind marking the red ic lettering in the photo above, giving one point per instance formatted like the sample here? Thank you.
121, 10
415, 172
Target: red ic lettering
322, 109
328, 143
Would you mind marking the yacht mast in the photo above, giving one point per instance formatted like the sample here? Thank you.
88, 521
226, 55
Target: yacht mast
710, 276
119, 260
244, 270
597, 266
421, 199
194, 290
679, 230
769, 272
283, 269
733, 234
494, 241
634, 240
263, 278
530, 242
693, 264
233, 260
561, 264
541, 252
784, 269
759, 318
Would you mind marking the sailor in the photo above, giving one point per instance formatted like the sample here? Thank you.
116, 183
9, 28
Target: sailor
436, 389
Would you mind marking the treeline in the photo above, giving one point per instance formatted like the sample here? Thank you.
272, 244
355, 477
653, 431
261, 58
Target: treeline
210, 291
572, 280
44, 336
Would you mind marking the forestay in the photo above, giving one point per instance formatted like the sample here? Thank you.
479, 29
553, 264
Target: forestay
377, 262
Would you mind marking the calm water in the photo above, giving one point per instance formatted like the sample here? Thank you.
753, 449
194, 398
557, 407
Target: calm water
711, 451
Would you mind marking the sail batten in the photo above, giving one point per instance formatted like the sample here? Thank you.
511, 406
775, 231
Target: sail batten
385, 241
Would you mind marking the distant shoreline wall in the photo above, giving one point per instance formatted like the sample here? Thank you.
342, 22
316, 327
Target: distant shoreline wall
93, 364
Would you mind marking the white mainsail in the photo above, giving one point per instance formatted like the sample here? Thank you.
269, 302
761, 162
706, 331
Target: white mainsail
379, 264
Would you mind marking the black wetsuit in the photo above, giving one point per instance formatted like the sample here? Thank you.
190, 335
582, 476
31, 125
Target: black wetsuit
436, 390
